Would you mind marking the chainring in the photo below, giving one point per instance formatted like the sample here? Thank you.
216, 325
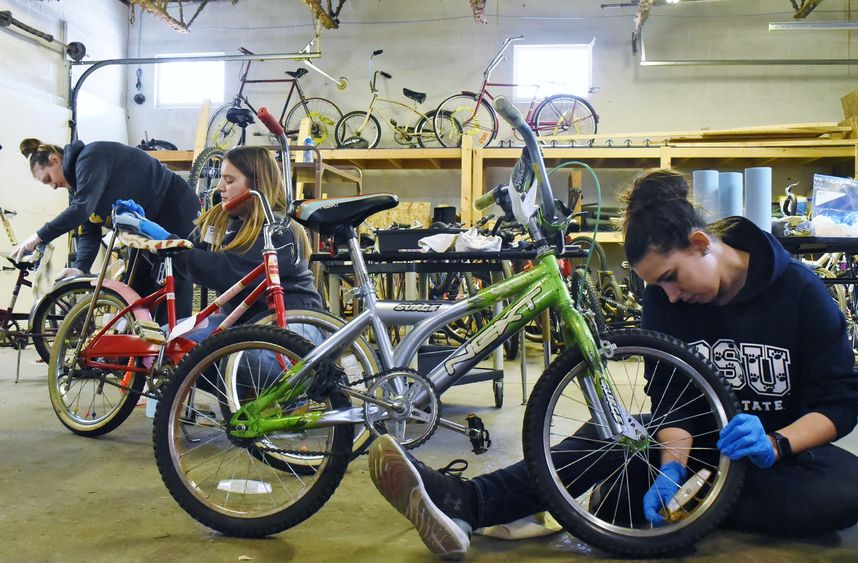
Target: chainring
409, 424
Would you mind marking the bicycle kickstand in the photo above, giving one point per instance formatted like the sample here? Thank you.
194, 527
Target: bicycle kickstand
18, 369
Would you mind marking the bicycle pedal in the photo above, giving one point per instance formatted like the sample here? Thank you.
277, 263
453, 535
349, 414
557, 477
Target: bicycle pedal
150, 331
480, 438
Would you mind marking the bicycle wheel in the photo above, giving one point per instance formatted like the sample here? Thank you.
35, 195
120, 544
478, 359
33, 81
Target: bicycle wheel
230, 485
324, 115
222, 133
91, 401
460, 115
349, 129
594, 486
50, 312
205, 174
425, 130
564, 114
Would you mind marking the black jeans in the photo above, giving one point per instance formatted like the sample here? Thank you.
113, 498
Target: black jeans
812, 493
177, 215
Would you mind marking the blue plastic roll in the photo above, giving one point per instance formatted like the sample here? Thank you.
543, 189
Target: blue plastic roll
729, 194
704, 190
758, 196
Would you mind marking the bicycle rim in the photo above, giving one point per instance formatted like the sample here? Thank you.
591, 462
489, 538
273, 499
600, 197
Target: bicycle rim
324, 116
564, 114
456, 117
241, 487
91, 401
595, 486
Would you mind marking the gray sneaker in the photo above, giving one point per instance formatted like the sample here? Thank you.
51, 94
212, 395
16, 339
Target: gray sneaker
399, 481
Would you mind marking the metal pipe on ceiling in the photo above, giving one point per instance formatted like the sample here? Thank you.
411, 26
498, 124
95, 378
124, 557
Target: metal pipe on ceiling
95, 65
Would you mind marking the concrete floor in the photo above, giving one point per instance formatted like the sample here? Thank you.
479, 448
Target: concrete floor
66, 498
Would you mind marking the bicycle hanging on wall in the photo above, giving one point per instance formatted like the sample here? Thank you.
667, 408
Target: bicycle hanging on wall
323, 113
471, 113
362, 129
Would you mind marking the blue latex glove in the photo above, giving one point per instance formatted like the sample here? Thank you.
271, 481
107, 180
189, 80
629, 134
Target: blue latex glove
129, 205
744, 436
671, 477
136, 224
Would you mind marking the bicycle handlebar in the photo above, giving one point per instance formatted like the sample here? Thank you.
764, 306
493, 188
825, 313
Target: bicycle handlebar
377, 52
233, 204
485, 201
270, 121
512, 116
499, 57
384, 74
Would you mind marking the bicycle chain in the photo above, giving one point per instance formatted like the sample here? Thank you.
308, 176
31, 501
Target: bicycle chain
308, 453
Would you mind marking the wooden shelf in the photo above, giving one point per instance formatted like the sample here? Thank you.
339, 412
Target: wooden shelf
840, 154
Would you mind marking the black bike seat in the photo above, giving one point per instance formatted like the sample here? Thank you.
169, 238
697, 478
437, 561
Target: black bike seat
418, 97
240, 116
297, 73
335, 214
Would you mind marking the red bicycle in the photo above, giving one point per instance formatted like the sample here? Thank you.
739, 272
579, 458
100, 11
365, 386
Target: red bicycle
471, 113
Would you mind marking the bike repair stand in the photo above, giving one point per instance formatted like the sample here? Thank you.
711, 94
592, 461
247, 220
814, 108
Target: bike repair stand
18, 368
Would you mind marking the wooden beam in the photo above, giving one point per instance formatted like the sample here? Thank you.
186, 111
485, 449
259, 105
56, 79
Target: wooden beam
807, 6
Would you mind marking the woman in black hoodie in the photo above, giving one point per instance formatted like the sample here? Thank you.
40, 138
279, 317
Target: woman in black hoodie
97, 175
767, 322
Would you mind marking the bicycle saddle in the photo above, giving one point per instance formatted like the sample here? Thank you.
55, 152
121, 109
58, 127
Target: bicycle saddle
332, 215
240, 116
140, 242
296, 74
418, 97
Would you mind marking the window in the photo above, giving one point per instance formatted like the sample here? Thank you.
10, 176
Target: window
187, 84
556, 69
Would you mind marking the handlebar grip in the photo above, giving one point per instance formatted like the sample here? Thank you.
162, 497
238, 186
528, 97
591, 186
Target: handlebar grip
386, 75
270, 121
232, 204
377, 52
485, 201
509, 112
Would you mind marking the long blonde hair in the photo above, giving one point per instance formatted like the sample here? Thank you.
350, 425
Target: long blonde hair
263, 175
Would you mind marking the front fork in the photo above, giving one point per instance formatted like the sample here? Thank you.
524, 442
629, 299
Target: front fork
611, 419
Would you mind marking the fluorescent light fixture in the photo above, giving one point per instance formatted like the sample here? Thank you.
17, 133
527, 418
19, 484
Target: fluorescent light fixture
812, 26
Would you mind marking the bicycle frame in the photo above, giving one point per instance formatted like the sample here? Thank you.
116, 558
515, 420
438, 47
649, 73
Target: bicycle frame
241, 98
533, 291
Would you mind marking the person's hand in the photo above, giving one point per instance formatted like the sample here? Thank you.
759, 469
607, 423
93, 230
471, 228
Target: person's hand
68, 273
128, 206
25, 247
745, 436
670, 478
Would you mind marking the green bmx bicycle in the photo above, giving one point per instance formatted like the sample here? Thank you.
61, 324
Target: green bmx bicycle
255, 430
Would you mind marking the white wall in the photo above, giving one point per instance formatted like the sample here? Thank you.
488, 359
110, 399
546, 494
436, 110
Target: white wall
437, 48
34, 89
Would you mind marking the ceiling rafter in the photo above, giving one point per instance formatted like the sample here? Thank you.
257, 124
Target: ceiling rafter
158, 8
804, 8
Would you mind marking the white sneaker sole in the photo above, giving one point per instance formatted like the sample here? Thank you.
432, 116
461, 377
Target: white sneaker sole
399, 483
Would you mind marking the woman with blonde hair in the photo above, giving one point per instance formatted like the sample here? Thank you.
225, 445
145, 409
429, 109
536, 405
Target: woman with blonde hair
235, 236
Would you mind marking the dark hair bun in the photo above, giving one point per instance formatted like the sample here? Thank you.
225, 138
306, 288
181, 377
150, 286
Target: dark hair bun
656, 187
29, 146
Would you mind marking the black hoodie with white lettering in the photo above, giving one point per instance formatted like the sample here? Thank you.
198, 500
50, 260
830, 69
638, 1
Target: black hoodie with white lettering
781, 343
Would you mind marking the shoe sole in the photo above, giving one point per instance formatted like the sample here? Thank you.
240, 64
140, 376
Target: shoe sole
399, 483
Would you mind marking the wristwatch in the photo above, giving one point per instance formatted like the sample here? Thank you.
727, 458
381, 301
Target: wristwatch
782, 445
